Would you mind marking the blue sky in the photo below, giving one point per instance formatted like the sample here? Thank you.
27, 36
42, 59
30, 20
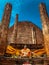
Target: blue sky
28, 10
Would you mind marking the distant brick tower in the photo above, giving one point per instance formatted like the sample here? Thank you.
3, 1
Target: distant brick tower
14, 33
5, 25
45, 26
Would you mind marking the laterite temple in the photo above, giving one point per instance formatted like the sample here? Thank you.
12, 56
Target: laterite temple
23, 33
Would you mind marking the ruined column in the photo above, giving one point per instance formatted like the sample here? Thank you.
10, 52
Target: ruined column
45, 26
34, 36
5, 25
14, 33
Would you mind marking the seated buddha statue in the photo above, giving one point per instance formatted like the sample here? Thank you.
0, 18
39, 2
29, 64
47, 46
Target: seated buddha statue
25, 52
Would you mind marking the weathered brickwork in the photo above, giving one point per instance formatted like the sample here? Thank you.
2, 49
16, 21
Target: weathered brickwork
24, 33
14, 32
45, 26
20, 33
4, 26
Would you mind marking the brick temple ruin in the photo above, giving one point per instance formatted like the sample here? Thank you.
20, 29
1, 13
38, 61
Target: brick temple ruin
23, 33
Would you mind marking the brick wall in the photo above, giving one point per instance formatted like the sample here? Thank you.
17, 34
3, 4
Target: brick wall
24, 33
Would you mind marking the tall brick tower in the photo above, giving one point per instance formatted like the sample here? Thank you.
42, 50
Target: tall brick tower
5, 25
45, 26
14, 33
